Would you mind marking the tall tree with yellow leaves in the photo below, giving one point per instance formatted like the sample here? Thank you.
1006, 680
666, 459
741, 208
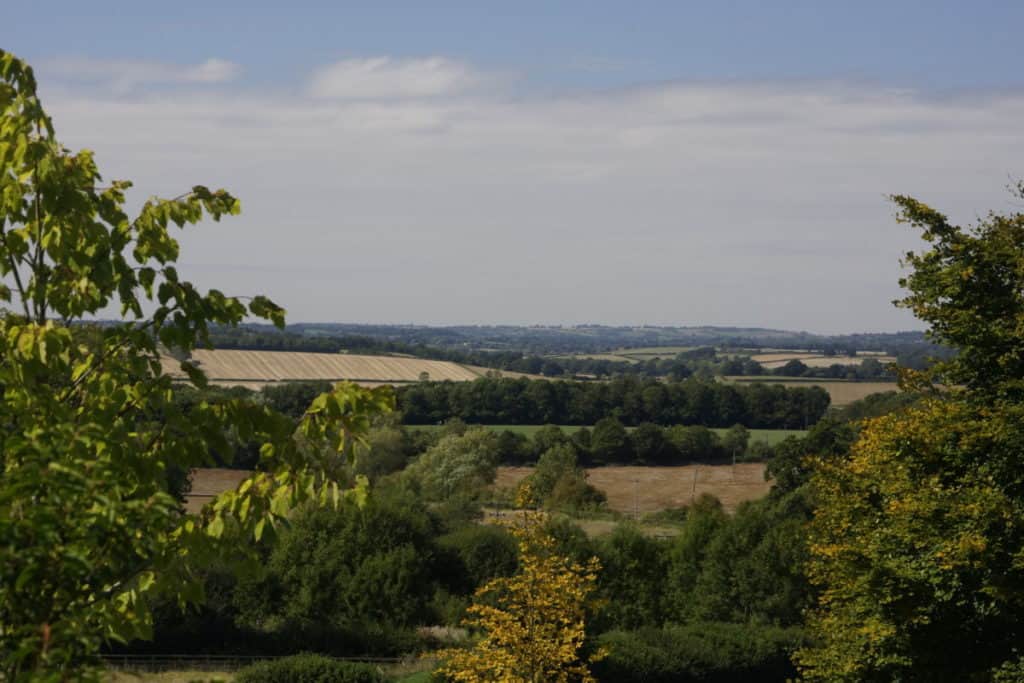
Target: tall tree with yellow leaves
532, 623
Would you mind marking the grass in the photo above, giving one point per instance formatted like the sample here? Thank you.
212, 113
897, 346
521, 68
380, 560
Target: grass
167, 677
634, 490
841, 391
772, 436
414, 671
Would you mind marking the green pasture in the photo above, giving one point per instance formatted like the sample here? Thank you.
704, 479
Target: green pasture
772, 436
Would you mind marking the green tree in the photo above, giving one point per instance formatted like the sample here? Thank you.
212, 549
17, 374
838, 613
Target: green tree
609, 442
90, 534
650, 446
632, 578
736, 440
459, 465
547, 437
967, 287
917, 545
694, 443
388, 448
686, 555
558, 482
345, 574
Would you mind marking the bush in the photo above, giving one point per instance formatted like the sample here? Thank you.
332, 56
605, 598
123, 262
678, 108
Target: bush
482, 552
309, 668
705, 652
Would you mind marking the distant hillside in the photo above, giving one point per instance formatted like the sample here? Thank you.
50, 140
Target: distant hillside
542, 340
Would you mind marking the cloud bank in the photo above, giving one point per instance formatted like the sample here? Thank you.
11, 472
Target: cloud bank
123, 76
385, 190
386, 78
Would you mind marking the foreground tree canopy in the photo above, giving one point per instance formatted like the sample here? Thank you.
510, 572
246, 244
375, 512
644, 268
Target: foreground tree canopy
917, 544
90, 532
532, 624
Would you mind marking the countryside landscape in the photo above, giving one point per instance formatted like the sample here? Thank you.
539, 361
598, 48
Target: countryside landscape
680, 343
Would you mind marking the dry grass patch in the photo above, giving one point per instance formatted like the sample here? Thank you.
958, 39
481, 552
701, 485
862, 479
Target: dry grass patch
207, 482
636, 489
167, 677
840, 392
245, 368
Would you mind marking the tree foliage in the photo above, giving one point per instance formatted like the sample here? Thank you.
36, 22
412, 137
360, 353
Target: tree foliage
459, 465
967, 287
89, 531
532, 624
632, 401
917, 547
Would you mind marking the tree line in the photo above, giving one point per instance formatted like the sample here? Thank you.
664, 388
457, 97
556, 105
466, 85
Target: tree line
630, 400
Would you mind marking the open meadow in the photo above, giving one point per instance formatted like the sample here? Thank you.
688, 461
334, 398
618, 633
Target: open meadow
770, 436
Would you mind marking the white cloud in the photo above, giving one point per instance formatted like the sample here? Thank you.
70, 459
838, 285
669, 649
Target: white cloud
124, 75
387, 78
677, 203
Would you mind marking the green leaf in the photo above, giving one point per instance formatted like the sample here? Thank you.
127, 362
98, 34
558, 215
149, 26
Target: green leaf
216, 527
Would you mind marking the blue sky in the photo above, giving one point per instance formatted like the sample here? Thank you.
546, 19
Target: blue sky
931, 44
668, 163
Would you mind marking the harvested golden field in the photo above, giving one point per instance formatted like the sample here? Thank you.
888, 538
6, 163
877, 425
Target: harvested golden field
207, 482
256, 368
777, 359
841, 392
649, 489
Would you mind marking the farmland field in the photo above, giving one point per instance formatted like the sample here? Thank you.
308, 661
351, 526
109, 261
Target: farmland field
772, 436
777, 359
649, 489
655, 488
769, 358
840, 391
207, 482
632, 355
254, 369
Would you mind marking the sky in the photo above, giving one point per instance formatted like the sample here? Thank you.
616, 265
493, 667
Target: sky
676, 163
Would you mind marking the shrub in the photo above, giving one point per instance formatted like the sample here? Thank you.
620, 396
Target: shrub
483, 552
705, 652
309, 668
